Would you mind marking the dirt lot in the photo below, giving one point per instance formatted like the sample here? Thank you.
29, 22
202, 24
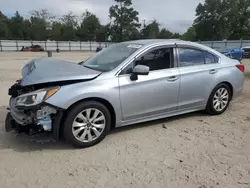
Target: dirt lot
194, 150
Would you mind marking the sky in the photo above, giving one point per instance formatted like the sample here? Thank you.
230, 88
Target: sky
175, 15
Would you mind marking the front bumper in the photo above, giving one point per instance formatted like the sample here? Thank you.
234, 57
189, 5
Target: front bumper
25, 120
18, 115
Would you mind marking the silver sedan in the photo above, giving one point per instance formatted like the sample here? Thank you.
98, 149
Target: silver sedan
124, 84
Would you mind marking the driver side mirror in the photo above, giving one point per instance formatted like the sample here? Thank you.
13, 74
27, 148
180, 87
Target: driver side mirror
139, 70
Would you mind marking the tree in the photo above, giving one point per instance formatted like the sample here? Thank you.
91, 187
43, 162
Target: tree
4, 26
56, 31
39, 29
43, 14
210, 21
125, 20
190, 34
41, 18
222, 19
151, 31
176, 36
238, 16
16, 26
27, 30
90, 27
165, 34
103, 33
69, 28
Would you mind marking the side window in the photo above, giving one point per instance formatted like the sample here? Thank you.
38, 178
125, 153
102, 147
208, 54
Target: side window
128, 69
157, 59
210, 58
190, 57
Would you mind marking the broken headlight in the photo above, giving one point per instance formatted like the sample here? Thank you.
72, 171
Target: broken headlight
36, 97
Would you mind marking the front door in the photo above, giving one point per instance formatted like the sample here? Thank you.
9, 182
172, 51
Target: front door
153, 94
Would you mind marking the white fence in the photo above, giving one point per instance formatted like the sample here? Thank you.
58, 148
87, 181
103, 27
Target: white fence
230, 43
16, 45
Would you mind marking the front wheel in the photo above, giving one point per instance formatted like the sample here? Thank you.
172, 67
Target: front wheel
87, 124
219, 99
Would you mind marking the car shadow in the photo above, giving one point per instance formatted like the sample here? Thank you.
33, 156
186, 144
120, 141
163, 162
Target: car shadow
14, 142
22, 143
162, 122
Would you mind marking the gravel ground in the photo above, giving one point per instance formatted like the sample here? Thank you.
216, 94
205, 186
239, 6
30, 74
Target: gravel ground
194, 150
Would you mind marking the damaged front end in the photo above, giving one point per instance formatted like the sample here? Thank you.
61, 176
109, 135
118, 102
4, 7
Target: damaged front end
29, 113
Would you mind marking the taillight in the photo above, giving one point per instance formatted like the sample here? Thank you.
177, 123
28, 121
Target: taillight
241, 67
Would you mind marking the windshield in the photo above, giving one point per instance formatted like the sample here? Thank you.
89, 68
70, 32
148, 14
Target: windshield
109, 58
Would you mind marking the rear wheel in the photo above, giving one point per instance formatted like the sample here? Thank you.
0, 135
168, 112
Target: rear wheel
87, 124
219, 99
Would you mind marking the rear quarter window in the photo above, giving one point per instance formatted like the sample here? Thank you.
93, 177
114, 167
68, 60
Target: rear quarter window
210, 58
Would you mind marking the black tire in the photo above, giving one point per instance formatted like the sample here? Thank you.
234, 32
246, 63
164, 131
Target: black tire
210, 107
73, 112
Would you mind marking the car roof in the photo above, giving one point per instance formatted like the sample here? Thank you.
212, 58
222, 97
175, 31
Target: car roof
153, 41
150, 42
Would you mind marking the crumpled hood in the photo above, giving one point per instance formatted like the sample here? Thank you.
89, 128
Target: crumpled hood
47, 70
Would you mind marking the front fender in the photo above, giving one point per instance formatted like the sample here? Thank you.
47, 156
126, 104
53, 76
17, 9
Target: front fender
107, 89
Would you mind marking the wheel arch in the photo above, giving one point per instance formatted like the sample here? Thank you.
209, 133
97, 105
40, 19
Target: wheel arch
223, 82
100, 100
229, 85
208, 105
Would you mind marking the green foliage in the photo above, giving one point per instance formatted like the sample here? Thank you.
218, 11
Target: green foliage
56, 31
103, 33
215, 20
90, 27
4, 27
68, 31
38, 28
151, 31
190, 34
165, 34
125, 20
222, 19
16, 26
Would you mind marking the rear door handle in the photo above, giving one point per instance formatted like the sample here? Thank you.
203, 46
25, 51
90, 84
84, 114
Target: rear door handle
173, 78
213, 71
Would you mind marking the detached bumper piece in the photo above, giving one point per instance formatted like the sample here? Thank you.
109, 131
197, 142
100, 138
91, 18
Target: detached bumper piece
10, 123
38, 121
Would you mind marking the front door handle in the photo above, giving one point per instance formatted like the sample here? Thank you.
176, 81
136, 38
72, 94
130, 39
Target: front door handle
213, 71
173, 78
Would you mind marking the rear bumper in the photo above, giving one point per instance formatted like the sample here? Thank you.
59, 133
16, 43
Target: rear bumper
238, 84
237, 93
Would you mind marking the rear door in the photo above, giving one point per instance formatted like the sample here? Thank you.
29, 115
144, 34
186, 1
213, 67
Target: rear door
199, 72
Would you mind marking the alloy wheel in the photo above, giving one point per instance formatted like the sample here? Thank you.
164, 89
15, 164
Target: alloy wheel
221, 99
88, 125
